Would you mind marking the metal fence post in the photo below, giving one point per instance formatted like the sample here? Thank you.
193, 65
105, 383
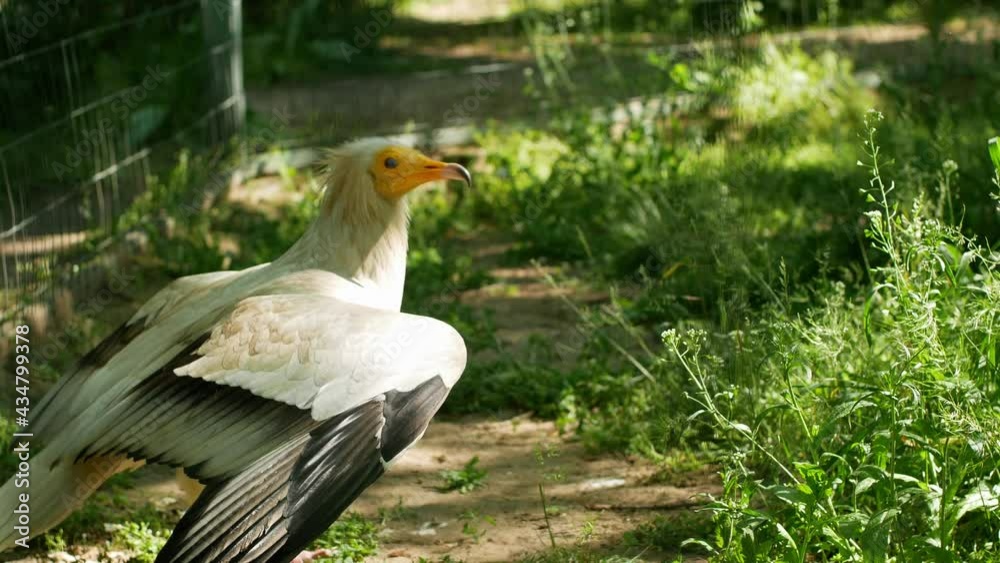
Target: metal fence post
223, 32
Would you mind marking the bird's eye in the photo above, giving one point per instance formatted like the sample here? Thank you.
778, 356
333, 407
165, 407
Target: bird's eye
391, 162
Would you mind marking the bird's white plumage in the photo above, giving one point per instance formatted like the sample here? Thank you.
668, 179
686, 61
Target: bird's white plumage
324, 354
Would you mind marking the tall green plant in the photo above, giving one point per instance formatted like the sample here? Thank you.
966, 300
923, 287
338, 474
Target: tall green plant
882, 443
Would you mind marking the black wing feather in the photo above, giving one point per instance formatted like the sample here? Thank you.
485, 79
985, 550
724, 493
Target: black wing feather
407, 415
162, 417
273, 509
51, 419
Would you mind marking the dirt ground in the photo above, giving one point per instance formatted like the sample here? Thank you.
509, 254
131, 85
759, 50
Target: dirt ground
611, 493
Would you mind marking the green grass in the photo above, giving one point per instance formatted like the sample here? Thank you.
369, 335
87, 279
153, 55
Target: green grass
465, 480
573, 555
670, 533
111, 521
352, 538
141, 540
878, 439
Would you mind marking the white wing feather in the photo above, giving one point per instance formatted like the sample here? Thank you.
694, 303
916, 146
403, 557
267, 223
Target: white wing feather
324, 354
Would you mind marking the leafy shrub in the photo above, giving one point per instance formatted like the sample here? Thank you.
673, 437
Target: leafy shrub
878, 439
648, 196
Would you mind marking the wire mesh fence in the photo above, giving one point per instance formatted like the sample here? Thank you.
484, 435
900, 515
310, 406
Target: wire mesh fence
91, 103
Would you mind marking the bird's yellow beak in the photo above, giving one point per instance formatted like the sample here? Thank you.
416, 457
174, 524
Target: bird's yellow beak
428, 170
398, 170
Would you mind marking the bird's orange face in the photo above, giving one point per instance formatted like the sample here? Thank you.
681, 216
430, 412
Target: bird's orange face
397, 170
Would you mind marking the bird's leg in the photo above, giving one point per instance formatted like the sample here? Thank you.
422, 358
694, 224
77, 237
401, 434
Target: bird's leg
310, 556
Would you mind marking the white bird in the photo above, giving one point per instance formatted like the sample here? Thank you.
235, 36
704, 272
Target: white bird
286, 388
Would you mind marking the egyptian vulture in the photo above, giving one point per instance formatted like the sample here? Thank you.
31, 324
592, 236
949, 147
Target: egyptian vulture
286, 388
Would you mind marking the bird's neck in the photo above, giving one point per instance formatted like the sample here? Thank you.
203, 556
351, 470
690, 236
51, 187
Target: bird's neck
367, 246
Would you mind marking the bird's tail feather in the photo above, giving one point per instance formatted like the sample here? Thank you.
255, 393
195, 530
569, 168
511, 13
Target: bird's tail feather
52, 487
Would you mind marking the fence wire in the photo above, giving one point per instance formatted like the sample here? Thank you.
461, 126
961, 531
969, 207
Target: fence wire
87, 114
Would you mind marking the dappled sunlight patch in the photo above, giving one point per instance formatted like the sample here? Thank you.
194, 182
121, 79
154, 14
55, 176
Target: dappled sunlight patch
787, 83
536, 151
705, 160
811, 156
